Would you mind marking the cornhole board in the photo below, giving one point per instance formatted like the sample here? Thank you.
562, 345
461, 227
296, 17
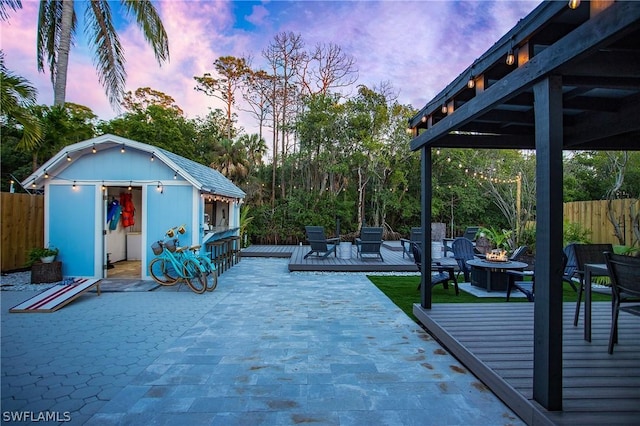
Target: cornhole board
57, 296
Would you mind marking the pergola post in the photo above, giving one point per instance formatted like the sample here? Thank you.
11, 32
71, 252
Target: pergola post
425, 218
547, 351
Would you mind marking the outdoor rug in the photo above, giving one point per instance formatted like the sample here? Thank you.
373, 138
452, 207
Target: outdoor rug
57, 296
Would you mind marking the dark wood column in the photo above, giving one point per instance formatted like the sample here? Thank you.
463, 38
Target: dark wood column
425, 218
547, 351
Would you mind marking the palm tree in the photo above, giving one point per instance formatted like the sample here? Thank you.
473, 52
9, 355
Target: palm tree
8, 4
230, 159
17, 95
256, 148
57, 23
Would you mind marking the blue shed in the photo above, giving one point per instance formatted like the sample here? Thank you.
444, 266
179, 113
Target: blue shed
107, 199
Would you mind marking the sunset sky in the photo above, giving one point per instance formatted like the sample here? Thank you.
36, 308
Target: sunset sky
418, 46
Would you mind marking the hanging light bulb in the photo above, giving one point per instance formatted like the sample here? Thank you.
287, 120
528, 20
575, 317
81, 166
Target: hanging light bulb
33, 183
94, 148
471, 83
103, 187
444, 108
68, 158
511, 58
46, 175
175, 175
122, 150
129, 188
153, 157
74, 184
573, 4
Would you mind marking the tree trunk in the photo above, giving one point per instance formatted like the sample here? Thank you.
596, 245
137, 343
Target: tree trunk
60, 79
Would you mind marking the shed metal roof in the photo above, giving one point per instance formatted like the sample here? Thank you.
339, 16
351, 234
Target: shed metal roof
202, 177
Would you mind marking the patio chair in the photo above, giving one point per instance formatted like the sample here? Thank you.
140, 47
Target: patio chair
320, 244
516, 281
624, 272
587, 253
463, 251
570, 275
369, 242
471, 232
414, 237
518, 253
444, 275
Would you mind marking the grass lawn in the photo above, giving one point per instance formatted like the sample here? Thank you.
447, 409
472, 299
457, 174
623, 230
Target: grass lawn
402, 290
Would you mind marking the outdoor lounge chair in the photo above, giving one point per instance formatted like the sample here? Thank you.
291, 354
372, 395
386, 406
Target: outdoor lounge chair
369, 242
444, 273
624, 272
320, 244
463, 251
414, 237
587, 253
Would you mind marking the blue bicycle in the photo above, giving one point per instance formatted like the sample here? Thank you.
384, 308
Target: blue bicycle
175, 264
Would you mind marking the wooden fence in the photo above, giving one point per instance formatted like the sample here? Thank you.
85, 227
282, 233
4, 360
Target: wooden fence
593, 216
21, 226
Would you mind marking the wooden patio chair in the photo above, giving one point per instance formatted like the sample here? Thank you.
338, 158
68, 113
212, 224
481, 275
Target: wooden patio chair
471, 232
624, 272
463, 251
407, 244
587, 253
320, 244
370, 242
444, 273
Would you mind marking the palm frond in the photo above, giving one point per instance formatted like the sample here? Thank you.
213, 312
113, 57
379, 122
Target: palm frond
109, 56
4, 4
16, 96
150, 23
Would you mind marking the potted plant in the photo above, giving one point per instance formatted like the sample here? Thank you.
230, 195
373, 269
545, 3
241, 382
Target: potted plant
42, 254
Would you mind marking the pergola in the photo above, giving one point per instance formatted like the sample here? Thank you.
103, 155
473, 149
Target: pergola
563, 78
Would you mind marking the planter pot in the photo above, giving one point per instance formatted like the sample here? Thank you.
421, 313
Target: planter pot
48, 259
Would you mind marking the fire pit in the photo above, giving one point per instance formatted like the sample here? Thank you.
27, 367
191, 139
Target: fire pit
497, 256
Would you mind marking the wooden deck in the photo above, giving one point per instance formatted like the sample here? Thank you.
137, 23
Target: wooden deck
495, 342
391, 252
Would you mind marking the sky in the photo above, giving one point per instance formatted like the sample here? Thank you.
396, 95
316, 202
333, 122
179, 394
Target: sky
417, 46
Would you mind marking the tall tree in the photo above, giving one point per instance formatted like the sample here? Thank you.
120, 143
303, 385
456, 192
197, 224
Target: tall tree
57, 24
233, 71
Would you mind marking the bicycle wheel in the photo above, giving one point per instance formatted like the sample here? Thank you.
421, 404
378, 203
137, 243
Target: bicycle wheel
195, 277
162, 271
212, 280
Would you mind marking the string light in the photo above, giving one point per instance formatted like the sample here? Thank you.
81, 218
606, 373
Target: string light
175, 175
153, 156
122, 150
46, 174
104, 188
94, 148
573, 4
68, 157
74, 184
33, 183
129, 188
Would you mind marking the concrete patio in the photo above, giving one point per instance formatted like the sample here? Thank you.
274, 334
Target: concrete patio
267, 347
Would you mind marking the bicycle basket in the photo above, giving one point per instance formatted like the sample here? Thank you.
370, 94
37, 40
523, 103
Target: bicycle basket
156, 247
171, 245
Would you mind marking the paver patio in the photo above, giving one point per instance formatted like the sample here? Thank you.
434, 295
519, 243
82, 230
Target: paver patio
267, 347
